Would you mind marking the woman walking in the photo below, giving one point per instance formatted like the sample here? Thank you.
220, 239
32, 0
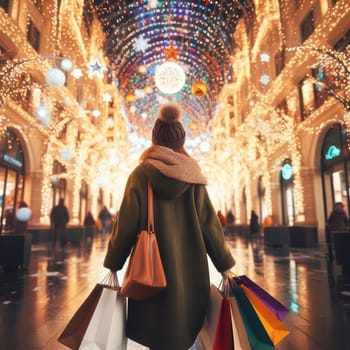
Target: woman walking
187, 229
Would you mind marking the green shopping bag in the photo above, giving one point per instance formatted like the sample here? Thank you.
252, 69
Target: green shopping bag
257, 335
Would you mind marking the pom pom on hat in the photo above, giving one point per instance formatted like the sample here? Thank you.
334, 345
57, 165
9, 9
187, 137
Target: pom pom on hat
168, 130
169, 112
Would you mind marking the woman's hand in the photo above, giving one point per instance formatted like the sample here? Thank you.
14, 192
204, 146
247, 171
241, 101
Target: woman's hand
228, 275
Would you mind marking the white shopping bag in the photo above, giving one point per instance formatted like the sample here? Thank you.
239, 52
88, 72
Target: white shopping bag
106, 330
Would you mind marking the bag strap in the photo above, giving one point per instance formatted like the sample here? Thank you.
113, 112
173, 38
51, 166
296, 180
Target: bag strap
150, 208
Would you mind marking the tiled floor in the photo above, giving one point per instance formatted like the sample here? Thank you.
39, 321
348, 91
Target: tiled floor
36, 304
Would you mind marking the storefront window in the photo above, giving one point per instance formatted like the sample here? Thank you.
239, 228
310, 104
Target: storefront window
5, 4
11, 178
335, 169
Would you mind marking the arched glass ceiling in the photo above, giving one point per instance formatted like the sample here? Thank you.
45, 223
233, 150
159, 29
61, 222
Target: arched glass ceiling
138, 35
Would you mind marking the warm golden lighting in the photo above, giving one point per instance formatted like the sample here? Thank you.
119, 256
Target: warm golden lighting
248, 87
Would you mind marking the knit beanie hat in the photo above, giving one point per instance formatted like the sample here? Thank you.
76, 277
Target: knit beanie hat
168, 131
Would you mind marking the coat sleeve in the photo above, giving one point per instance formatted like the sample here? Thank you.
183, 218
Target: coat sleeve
213, 233
125, 228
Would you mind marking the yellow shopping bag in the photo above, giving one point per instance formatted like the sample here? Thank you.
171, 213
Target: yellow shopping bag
273, 326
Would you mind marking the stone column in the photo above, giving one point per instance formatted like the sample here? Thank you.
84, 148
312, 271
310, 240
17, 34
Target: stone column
307, 178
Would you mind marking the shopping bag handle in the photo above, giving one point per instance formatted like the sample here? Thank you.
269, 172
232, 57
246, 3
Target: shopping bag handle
150, 208
226, 284
111, 280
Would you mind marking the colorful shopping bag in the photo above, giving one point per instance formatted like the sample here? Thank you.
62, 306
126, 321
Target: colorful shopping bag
257, 335
272, 303
106, 329
99, 323
216, 332
240, 337
273, 326
74, 332
224, 334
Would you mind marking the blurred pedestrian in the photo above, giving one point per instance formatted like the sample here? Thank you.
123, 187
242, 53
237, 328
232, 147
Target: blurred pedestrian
89, 220
105, 216
230, 218
337, 221
89, 225
59, 217
254, 226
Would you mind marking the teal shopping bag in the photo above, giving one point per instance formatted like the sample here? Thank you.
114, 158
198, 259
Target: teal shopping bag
257, 335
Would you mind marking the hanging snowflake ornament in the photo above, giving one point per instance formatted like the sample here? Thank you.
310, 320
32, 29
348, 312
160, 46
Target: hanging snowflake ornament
264, 57
264, 79
77, 73
96, 113
96, 68
66, 153
141, 44
107, 97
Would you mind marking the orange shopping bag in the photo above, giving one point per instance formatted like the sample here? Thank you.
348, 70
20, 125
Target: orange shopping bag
275, 329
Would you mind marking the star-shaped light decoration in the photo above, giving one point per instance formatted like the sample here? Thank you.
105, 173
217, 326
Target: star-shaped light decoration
95, 67
264, 57
107, 97
96, 113
77, 73
171, 53
264, 79
141, 44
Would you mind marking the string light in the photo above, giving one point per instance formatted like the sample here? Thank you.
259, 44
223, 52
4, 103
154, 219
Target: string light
138, 35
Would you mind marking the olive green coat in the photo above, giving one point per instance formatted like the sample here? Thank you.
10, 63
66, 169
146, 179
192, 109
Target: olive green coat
187, 228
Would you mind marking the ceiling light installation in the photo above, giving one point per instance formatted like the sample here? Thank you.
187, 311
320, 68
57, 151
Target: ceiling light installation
191, 39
